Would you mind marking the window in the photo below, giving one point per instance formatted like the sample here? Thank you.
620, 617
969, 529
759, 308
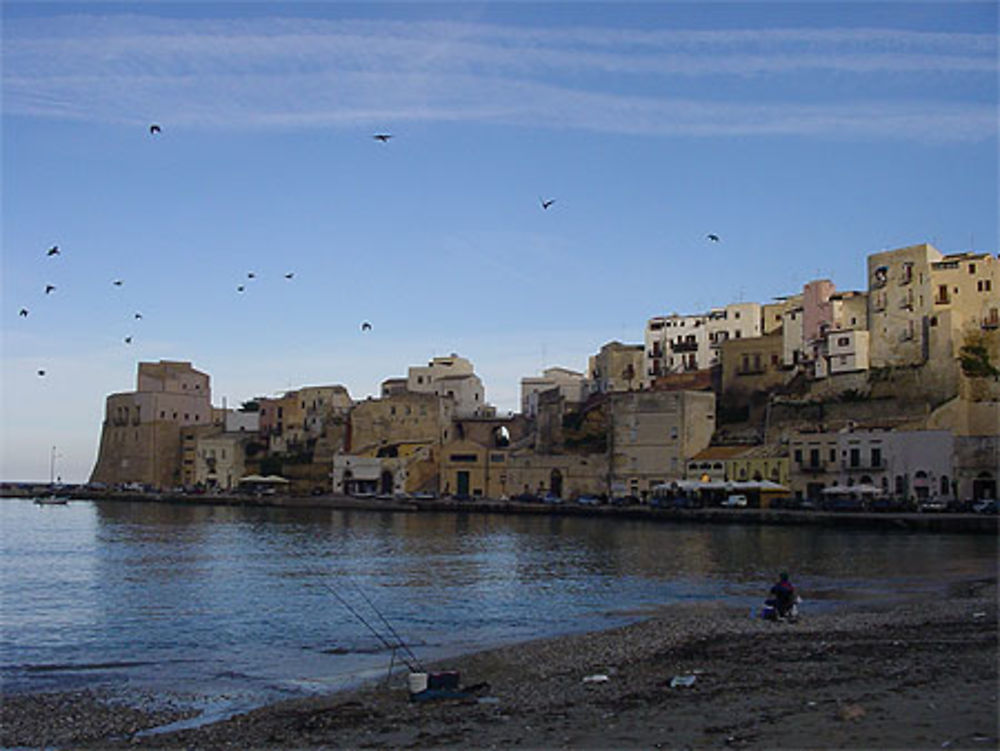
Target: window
944, 485
876, 457
798, 455
813, 457
833, 455
736, 314
972, 268
843, 341
855, 457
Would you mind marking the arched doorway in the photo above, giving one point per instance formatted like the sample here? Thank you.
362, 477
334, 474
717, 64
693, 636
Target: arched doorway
984, 486
555, 483
386, 484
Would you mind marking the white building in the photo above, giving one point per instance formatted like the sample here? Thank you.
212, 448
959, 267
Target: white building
845, 352
676, 343
452, 377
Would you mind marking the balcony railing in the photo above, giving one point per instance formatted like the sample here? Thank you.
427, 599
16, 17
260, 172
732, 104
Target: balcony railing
812, 469
862, 466
684, 346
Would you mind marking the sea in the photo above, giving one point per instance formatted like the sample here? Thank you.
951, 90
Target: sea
225, 608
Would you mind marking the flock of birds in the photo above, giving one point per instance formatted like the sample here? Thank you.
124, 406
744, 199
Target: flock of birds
154, 130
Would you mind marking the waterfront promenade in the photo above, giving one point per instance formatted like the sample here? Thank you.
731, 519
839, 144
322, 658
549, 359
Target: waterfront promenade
941, 522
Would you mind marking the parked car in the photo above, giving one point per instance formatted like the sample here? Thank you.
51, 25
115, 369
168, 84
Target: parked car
844, 503
886, 504
425, 495
737, 500
551, 498
527, 498
588, 500
985, 506
932, 504
624, 500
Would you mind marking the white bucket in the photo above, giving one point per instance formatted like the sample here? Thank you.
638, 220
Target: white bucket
418, 682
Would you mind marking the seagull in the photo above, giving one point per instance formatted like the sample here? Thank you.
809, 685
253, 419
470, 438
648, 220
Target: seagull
53, 251
547, 203
23, 313
251, 275
240, 288
138, 316
383, 137
50, 288
118, 282
289, 275
128, 340
154, 129
41, 372
366, 326
713, 238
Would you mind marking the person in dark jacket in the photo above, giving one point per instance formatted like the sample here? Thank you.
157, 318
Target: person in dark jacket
783, 596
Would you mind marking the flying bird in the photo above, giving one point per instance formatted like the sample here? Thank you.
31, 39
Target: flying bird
240, 288
118, 282
547, 203
713, 238
50, 288
53, 251
41, 372
251, 275
154, 129
366, 326
128, 340
383, 137
23, 313
289, 275
138, 316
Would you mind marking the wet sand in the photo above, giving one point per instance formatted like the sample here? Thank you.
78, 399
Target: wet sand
916, 672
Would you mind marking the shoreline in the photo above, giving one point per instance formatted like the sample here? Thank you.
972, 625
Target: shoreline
937, 522
918, 671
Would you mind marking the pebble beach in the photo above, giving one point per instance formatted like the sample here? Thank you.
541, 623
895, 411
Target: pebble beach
915, 672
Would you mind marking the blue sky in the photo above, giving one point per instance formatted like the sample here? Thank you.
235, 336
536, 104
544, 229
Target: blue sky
806, 135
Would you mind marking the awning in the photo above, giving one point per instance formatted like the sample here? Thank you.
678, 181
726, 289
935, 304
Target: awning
263, 480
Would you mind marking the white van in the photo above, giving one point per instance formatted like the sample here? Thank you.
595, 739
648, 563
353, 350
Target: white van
735, 501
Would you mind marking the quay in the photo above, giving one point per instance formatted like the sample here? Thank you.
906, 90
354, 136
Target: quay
936, 522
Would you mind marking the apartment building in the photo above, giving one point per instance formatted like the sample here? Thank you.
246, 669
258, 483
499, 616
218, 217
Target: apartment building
654, 433
679, 343
922, 303
452, 377
909, 465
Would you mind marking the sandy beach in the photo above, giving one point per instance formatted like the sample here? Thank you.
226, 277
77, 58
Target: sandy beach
916, 672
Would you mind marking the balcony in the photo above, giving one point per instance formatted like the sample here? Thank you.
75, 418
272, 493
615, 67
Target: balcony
863, 467
812, 469
684, 346
940, 299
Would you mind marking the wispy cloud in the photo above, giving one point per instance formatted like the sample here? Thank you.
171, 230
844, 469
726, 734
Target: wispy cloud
303, 73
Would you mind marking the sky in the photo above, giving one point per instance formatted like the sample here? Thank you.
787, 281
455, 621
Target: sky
805, 135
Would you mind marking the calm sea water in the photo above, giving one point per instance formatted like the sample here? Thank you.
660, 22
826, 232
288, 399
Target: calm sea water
233, 607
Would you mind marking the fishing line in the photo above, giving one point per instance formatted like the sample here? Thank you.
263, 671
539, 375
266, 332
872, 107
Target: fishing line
388, 625
413, 666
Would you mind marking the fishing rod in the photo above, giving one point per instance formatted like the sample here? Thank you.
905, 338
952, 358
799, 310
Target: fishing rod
388, 625
378, 635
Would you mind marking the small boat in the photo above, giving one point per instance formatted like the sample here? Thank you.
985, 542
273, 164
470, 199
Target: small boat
51, 500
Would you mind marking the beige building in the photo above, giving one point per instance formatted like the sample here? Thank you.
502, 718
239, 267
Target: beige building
141, 433
407, 417
452, 377
922, 303
574, 387
751, 365
740, 464
653, 434
616, 367
220, 460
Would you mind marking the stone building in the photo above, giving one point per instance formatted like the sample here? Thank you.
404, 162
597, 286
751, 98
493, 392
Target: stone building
616, 367
407, 417
452, 377
653, 434
141, 432
573, 386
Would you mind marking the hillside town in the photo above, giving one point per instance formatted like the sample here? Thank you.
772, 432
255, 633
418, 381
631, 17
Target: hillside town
887, 393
